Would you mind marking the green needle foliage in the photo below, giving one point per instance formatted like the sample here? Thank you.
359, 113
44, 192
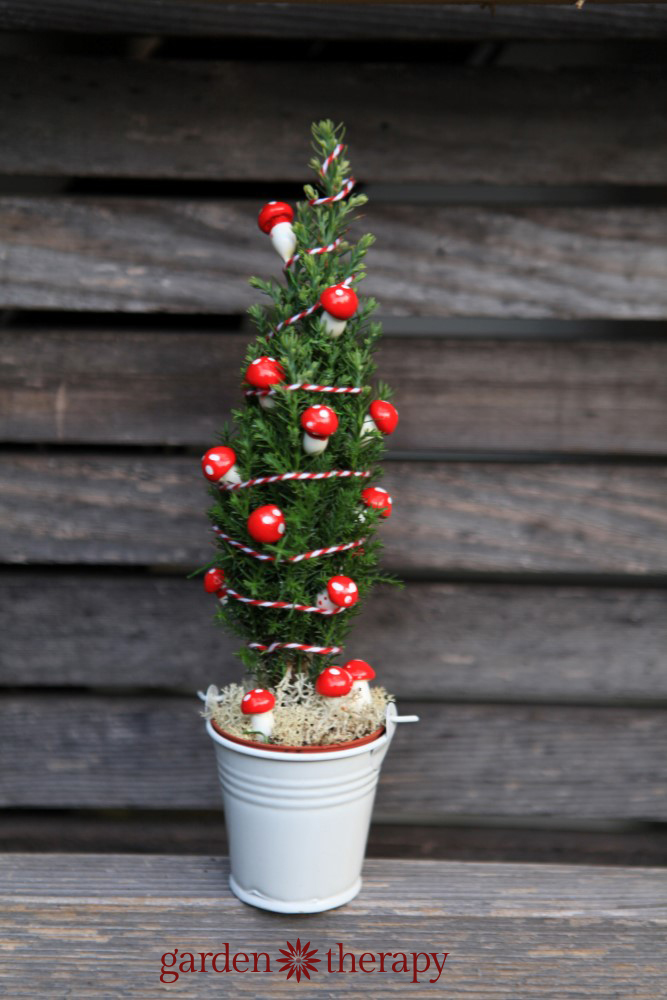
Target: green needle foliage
318, 513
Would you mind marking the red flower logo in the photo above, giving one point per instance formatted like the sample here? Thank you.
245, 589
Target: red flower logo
298, 960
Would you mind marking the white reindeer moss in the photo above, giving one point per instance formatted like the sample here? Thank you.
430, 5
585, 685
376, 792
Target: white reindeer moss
303, 717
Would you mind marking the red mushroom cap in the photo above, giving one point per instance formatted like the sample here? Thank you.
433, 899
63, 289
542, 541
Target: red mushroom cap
266, 524
333, 682
359, 670
385, 416
319, 421
214, 580
257, 701
273, 213
378, 499
339, 301
216, 462
262, 373
342, 591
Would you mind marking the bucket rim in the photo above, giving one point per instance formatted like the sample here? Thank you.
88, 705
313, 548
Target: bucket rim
301, 754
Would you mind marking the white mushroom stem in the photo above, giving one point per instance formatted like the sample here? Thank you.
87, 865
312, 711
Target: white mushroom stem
283, 239
231, 477
368, 426
338, 702
314, 445
333, 326
267, 402
360, 695
262, 723
324, 602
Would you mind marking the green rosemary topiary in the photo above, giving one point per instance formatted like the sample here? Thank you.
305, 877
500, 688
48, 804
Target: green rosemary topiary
317, 513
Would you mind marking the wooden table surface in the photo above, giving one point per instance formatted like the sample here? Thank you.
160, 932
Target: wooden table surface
95, 926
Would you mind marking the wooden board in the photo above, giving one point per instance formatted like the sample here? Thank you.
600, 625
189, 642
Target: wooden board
85, 751
555, 891
337, 21
73, 507
544, 932
469, 641
152, 387
143, 255
421, 122
198, 832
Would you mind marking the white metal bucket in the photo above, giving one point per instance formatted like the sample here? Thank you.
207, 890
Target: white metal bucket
297, 823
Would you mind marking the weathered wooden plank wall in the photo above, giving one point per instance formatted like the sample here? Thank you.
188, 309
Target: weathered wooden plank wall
579, 644
116, 751
86, 117
442, 22
530, 507
158, 255
92, 508
570, 396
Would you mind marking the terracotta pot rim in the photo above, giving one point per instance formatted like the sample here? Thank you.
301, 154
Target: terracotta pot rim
279, 748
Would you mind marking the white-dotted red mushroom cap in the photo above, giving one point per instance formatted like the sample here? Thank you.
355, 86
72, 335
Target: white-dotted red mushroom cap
266, 524
378, 499
342, 591
216, 462
319, 421
385, 416
334, 682
339, 301
359, 670
264, 372
257, 701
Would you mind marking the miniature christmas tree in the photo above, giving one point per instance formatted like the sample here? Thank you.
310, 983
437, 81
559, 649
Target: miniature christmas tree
295, 501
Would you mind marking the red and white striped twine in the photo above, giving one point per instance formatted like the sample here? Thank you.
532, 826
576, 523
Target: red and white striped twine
314, 252
329, 550
286, 476
306, 387
272, 647
283, 605
331, 157
241, 547
347, 184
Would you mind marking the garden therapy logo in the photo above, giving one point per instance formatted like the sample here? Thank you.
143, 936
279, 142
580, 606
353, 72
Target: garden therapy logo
297, 960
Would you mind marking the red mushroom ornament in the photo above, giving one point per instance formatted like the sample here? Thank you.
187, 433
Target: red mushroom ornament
361, 673
266, 524
378, 499
214, 583
341, 592
275, 219
319, 423
334, 682
258, 704
339, 304
218, 465
382, 416
263, 373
